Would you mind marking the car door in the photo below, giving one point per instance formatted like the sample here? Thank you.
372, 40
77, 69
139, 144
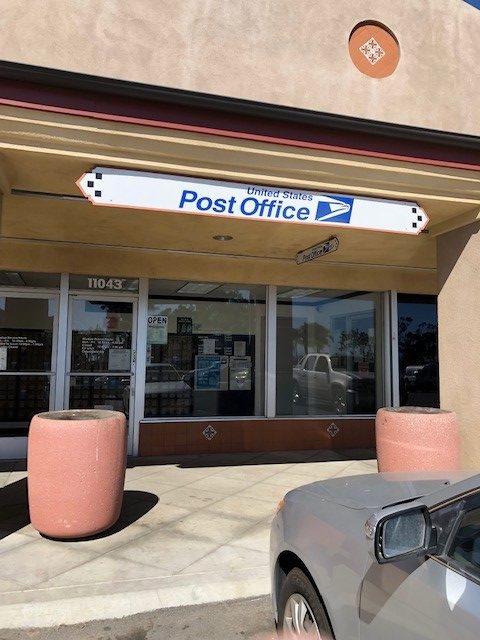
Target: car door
437, 598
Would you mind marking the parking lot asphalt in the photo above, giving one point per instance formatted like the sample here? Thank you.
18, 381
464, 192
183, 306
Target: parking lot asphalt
247, 619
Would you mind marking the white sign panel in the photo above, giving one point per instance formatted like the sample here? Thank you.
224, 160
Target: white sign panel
318, 250
119, 359
140, 190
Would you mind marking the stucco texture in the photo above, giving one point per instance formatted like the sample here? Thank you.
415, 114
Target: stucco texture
275, 51
459, 334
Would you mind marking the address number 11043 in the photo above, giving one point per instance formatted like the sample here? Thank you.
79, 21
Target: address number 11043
106, 283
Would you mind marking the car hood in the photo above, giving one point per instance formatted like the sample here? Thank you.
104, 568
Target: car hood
378, 490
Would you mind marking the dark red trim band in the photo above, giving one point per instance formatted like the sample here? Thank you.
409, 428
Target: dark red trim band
213, 121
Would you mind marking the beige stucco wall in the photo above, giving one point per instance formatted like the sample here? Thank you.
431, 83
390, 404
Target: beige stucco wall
459, 333
274, 51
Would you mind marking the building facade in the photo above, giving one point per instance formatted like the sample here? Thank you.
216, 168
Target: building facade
233, 223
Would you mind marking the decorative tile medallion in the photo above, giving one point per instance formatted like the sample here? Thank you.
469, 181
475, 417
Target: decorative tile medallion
209, 432
333, 430
372, 51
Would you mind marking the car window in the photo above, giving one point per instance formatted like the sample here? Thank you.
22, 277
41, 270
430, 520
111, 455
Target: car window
465, 546
309, 363
322, 365
162, 373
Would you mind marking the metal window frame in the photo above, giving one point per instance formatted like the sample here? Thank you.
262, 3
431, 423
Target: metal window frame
387, 350
395, 399
271, 352
140, 364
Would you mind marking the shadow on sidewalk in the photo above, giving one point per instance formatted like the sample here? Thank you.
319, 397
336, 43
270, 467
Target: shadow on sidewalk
13, 507
250, 459
14, 513
135, 505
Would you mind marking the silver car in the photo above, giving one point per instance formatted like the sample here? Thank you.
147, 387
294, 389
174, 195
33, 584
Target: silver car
379, 557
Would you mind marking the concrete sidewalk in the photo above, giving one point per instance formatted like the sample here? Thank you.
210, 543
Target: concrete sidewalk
193, 529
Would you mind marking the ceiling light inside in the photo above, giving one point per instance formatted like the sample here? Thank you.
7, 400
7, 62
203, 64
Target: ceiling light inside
199, 288
223, 238
298, 293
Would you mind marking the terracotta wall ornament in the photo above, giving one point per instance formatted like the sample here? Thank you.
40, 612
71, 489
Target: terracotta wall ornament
417, 439
374, 50
76, 470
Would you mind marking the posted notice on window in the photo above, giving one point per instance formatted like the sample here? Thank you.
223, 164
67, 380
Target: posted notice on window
157, 329
119, 359
240, 373
3, 358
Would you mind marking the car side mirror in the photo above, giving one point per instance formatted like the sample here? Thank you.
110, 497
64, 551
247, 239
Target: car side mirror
400, 532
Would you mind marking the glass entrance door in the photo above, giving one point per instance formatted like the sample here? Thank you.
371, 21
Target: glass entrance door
28, 325
101, 356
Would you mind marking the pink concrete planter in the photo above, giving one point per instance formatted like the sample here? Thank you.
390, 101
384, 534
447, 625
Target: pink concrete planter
417, 439
76, 471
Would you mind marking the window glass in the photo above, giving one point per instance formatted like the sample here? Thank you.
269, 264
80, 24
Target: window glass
328, 352
418, 350
26, 337
26, 331
321, 365
100, 392
205, 349
21, 397
101, 335
465, 549
22, 279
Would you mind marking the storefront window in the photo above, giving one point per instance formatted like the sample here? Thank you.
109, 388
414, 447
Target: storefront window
205, 350
26, 337
23, 279
328, 352
418, 350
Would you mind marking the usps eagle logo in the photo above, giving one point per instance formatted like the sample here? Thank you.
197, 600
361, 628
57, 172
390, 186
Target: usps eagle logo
334, 210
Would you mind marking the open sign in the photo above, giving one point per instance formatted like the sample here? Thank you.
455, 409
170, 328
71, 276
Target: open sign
157, 321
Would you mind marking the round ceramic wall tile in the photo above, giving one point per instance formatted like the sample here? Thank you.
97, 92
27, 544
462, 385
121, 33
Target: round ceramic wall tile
374, 50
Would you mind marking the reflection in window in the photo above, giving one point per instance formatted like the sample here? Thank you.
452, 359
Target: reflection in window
21, 397
465, 547
418, 350
106, 392
328, 352
26, 334
205, 350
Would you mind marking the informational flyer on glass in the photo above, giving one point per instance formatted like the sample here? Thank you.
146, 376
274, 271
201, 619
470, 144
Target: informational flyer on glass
157, 329
211, 373
239, 348
209, 346
3, 358
240, 373
119, 359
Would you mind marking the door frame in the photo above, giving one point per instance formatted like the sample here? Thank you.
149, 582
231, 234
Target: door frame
100, 295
